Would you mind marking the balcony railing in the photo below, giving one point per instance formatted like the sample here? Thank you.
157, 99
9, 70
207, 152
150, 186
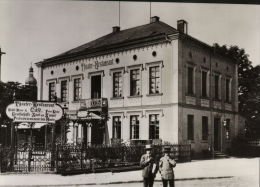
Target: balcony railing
93, 103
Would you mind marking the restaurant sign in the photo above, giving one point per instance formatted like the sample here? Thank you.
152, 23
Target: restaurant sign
36, 112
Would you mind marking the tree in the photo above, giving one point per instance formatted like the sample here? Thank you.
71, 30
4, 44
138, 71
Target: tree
248, 85
9, 92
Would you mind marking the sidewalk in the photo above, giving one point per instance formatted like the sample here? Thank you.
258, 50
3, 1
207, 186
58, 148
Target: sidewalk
207, 169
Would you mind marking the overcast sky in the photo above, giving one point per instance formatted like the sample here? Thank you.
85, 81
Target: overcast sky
31, 31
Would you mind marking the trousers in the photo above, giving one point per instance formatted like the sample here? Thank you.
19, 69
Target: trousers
148, 182
165, 183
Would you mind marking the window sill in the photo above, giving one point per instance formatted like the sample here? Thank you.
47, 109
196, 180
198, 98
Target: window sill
204, 141
156, 94
75, 101
203, 97
134, 96
116, 98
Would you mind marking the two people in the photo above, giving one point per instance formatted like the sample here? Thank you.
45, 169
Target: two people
151, 167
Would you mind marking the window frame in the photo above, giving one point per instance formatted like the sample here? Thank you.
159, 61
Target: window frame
154, 127
116, 127
134, 128
79, 89
120, 91
51, 97
66, 90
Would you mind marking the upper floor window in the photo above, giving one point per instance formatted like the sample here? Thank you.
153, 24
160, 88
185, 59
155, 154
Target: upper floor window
154, 80
117, 84
217, 87
134, 127
64, 90
204, 128
154, 126
228, 90
190, 80
190, 127
204, 83
116, 127
77, 89
52, 91
135, 82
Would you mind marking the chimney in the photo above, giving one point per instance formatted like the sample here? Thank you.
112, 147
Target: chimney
116, 29
182, 26
154, 19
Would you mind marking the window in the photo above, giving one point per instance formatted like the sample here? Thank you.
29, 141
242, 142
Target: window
52, 91
154, 82
204, 84
216, 78
134, 82
134, 127
227, 90
116, 134
227, 129
190, 81
77, 89
190, 127
64, 90
117, 84
204, 128
154, 126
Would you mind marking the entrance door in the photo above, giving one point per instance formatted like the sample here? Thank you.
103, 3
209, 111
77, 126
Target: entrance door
217, 134
97, 133
96, 86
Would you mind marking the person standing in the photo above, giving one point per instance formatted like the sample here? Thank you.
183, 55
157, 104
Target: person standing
149, 166
166, 166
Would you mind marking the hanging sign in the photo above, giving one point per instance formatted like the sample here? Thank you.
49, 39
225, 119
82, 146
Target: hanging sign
28, 111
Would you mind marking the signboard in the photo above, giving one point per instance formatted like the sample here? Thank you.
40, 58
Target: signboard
27, 111
96, 64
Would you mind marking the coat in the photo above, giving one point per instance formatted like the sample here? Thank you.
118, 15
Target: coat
166, 166
147, 166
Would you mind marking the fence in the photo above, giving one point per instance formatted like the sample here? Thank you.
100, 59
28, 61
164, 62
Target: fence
79, 158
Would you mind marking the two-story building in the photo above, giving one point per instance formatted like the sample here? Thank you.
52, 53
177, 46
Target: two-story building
151, 82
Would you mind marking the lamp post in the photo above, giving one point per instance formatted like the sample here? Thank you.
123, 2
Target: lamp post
64, 125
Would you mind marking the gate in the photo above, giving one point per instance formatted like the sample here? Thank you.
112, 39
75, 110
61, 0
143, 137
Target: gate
27, 159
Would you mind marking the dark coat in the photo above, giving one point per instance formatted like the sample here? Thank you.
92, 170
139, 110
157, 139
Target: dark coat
166, 166
147, 165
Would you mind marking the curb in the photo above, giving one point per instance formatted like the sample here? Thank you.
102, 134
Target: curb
119, 182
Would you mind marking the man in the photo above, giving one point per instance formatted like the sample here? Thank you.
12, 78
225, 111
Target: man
149, 166
166, 166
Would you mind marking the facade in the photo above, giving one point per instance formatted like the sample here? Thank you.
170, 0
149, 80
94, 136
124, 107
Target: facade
150, 82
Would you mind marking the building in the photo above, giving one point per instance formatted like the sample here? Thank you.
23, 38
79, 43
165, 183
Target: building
151, 82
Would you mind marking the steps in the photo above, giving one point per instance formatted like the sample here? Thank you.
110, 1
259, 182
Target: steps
218, 154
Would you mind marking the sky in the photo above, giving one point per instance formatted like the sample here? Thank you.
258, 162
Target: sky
31, 31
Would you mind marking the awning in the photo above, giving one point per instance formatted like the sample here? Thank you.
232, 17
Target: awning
27, 125
84, 115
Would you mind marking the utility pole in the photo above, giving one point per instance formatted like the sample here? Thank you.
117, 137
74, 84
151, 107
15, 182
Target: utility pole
1, 53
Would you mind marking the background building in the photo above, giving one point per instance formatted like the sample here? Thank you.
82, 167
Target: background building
151, 82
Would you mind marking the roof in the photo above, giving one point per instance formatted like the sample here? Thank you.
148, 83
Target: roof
144, 33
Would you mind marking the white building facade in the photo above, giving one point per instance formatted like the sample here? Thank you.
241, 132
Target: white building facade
151, 82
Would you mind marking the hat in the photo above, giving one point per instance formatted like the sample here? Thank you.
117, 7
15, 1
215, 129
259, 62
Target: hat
147, 147
167, 149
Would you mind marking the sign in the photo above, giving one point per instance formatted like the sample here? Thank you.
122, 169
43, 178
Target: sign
96, 64
27, 111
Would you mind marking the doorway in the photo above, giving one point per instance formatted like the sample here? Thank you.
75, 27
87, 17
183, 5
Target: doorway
217, 134
95, 86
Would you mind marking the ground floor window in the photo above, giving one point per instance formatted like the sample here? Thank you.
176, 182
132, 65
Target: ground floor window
190, 127
204, 128
227, 129
116, 134
134, 127
154, 126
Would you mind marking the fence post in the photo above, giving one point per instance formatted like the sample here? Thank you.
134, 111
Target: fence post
1, 158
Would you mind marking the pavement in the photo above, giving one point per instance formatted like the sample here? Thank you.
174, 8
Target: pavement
246, 168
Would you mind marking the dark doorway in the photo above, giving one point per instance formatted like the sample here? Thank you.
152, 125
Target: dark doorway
97, 133
96, 86
217, 134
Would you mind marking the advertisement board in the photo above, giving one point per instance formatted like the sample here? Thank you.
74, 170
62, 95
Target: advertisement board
36, 112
